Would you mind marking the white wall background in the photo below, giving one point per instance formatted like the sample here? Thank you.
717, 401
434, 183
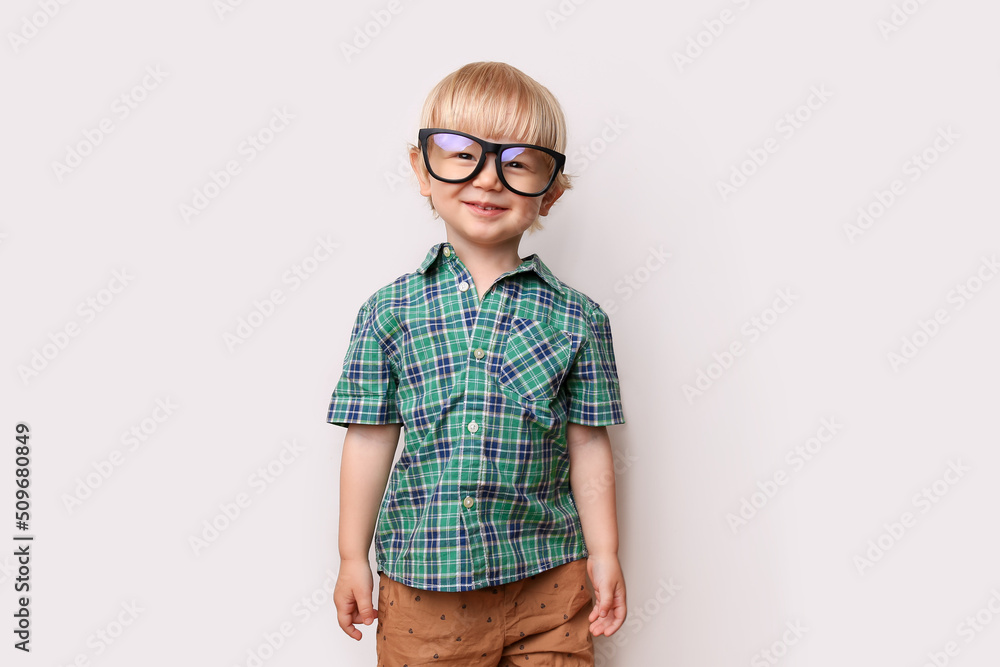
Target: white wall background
896, 75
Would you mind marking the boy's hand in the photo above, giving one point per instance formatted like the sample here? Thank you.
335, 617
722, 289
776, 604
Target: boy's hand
353, 596
609, 587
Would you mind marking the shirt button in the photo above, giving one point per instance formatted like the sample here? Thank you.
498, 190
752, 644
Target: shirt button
478, 353
447, 252
469, 502
463, 286
473, 427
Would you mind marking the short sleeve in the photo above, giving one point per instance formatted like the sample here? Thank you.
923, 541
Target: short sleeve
366, 391
592, 382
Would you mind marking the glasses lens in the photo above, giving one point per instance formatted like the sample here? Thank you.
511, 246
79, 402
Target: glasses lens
526, 169
452, 156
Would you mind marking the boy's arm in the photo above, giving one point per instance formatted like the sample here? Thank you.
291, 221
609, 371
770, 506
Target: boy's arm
369, 450
592, 479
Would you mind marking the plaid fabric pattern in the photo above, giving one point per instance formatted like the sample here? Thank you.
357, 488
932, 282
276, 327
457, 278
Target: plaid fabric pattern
480, 495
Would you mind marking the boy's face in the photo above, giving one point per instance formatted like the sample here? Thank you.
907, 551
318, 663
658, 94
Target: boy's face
461, 205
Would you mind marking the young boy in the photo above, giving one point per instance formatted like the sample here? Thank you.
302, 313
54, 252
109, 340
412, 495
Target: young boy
502, 503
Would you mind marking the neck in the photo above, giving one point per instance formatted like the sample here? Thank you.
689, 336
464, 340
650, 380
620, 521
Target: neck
495, 259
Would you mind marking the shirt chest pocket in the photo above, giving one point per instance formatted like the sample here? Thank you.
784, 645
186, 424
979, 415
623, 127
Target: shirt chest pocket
536, 359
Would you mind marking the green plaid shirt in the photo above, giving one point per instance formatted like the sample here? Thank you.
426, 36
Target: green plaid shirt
480, 495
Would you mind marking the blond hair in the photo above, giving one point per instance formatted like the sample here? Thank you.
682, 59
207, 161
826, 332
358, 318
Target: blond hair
496, 100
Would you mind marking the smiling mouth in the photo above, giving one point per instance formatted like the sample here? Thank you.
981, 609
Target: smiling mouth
485, 208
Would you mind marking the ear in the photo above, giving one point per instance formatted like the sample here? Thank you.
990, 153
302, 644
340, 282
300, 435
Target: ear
422, 178
549, 198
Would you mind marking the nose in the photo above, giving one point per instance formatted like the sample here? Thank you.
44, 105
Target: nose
487, 178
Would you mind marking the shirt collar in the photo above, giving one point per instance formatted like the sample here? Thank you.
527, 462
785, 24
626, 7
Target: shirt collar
530, 263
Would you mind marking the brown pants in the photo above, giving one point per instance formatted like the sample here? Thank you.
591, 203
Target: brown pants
541, 621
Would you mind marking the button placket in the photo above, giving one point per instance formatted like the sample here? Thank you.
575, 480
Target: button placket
475, 468
471, 437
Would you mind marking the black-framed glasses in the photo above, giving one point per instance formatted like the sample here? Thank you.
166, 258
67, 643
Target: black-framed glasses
456, 157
